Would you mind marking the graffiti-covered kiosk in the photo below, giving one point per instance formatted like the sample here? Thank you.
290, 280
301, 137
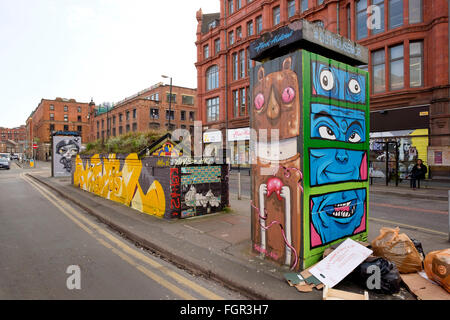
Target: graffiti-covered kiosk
310, 114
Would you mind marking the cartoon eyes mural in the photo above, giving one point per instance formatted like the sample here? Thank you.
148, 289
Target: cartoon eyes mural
337, 124
337, 215
288, 95
332, 165
259, 101
334, 83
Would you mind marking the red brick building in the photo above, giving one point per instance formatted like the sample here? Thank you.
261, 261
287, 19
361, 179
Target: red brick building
408, 58
148, 109
12, 139
56, 115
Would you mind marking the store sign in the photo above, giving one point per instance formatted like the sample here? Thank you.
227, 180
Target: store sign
240, 134
212, 136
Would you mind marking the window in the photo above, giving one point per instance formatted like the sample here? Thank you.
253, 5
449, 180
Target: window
154, 125
238, 4
276, 15
134, 127
259, 25
114, 132
361, 19
170, 115
230, 7
79, 129
291, 8
171, 127
187, 100
378, 73
183, 126
103, 124
114, 120
79, 118
231, 37
191, 116
156, 96
212, 109
52, 127
239, 33
396, 67
128, 115
174, 97
395, 13
243, 100
120, 117
415, 11
120, 130
52, 116
250, 28
206, 52
380, 4
235, 63
304, 5
98, 125
416, 64
349, 22
216, 46
154, 114
212, 25
183, 116
128, 128
79, 109
66, 108
236, 103
66, 127
52, 107
66, 118
242, 64
212, 78
134, 113
249, 62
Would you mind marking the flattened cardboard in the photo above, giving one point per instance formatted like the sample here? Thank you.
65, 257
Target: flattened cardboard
423, 289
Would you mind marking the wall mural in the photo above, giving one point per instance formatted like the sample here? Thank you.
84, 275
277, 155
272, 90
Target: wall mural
316, 192
64, 147
147, 186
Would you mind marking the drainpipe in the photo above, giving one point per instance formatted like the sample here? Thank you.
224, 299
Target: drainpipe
226, 83
337, 18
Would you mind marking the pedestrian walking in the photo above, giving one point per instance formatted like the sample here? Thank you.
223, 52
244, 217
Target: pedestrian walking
418, 173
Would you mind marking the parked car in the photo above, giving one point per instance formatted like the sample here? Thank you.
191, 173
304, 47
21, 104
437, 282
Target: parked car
4, 162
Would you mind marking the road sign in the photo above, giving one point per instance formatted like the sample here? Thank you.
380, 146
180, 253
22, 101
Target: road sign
34, 146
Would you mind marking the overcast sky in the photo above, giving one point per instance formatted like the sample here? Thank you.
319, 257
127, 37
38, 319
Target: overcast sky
105, 49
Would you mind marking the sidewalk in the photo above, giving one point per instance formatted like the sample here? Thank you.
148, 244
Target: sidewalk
216, 246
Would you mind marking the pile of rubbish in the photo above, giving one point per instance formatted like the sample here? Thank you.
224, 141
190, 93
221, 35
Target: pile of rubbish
379, 267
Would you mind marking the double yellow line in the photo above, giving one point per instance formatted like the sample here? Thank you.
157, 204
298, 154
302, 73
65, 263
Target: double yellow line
124, 251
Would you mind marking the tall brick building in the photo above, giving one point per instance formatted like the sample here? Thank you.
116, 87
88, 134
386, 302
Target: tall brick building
148, 109
56, 115
12, 139
408, 59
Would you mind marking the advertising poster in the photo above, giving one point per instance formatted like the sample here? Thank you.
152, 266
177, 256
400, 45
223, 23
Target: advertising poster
64, 147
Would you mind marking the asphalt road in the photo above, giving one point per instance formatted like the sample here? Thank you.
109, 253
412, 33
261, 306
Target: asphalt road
41, 236
423, 219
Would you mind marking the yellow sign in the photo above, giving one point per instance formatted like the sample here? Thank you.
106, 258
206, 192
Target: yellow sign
424, 113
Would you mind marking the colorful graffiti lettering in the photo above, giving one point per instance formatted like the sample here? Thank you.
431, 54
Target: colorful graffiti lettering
175, 192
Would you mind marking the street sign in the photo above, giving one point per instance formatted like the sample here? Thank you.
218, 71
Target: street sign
35, 146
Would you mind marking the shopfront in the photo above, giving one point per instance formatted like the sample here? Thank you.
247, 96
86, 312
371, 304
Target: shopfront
239, 146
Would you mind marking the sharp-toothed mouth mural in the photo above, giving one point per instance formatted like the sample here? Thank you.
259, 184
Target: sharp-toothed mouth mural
341, 210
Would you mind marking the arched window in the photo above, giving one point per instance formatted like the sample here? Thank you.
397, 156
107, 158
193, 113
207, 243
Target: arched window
212, 78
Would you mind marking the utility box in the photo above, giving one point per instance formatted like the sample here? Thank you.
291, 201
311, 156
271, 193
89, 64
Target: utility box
309, 115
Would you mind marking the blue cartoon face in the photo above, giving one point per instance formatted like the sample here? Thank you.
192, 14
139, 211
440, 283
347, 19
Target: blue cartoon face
337, 215
334, 83
337, 124
337, 165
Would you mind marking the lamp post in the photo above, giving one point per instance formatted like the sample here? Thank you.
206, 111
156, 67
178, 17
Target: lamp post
170, 98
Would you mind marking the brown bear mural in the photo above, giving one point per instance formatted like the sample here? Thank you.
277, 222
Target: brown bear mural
276, 175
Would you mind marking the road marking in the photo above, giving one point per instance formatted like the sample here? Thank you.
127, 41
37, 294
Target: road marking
408, 226
385, 205
64, 207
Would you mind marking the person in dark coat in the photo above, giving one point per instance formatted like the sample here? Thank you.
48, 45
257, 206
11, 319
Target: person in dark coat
418, 173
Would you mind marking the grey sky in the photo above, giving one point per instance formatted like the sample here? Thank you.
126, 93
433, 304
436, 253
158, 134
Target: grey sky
105, 49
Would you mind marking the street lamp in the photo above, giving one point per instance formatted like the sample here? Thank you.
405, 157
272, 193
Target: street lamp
170, 98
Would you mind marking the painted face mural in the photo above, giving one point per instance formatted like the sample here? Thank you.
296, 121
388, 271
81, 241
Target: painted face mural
337, 165
65, 149
331, 82
337, 215
337, 124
